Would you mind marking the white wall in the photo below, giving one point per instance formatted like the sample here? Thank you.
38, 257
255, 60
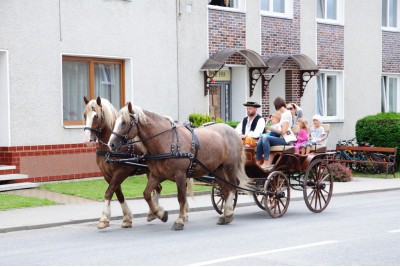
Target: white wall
240, 92
4, 100
139, 31
276, 88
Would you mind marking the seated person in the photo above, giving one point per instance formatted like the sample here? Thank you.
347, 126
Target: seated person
316, 135
275, 127
252, 126
302, 136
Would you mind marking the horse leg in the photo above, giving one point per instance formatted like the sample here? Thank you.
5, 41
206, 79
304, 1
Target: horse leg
154, 198
181, 185
105, 218
228, 193
128, 217
155, 209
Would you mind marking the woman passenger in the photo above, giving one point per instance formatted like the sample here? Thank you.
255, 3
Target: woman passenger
265, 142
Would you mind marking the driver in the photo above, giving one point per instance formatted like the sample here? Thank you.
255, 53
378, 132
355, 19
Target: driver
252, 126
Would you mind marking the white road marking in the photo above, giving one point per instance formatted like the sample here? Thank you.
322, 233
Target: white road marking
395, 231
214, 262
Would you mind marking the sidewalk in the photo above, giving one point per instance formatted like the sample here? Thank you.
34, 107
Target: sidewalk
51, 216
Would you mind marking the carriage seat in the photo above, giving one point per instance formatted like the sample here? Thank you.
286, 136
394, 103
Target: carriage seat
287, 149
322, 147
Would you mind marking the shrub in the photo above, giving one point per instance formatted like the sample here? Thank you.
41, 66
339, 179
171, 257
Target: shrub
198, 119
381, 130
233, 124
340, 172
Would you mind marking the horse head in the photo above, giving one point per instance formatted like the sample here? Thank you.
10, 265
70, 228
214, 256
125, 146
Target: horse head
126, 126
99, 116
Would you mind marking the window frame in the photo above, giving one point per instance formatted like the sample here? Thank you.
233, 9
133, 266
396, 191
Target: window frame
388, 76
391, 28
288, 14
339, 13
339, 117
240, 9
91, 61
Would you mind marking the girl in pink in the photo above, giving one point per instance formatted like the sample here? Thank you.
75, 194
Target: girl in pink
302, 136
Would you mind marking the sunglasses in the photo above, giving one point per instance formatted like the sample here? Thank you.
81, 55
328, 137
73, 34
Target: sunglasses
290, 108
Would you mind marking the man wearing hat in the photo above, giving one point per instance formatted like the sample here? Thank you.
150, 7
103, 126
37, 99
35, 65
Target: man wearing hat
252, 126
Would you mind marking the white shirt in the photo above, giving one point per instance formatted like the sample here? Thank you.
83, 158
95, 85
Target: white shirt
286, 117
257, 131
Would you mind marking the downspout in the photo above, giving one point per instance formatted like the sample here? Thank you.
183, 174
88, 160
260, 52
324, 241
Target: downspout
178, 16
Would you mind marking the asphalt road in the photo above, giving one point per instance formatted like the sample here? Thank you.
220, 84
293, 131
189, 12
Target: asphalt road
361, 229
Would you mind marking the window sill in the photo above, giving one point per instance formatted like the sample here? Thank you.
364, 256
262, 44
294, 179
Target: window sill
228, 9
390, 29
74, 126
331, 120
330, 22
276, 15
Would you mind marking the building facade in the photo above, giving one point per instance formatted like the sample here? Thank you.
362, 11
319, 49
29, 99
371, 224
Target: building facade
159, 55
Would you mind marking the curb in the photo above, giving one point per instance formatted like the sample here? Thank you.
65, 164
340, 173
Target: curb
144, 215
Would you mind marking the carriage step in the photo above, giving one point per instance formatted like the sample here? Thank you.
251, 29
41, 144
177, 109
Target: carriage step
11, 177
17, 186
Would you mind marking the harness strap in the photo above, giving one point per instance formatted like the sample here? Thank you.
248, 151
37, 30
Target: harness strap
193, 151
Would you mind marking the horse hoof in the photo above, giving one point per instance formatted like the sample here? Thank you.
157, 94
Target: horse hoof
177, 227
223, 220
151, 217
126, 225
165, 217
103, 224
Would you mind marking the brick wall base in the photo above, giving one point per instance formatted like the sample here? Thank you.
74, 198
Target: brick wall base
50, 162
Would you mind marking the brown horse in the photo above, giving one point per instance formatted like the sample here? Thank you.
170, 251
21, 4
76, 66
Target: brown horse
100, 116
220, 149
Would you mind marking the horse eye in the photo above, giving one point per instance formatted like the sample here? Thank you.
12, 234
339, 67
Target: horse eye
124, 123
95, 116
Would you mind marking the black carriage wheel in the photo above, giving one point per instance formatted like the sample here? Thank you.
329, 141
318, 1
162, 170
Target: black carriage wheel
277, 194
218, 200
259, 199
318, 186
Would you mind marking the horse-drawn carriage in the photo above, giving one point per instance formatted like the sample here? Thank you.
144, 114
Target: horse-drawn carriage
310, 174
213, 154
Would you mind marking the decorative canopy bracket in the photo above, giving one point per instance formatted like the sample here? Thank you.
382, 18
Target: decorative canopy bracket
255, 73
209, 79
266, 79
306, 76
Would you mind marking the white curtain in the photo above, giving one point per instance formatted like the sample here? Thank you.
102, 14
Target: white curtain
107, 82
321, 98
321, 9
75, 87
384, 107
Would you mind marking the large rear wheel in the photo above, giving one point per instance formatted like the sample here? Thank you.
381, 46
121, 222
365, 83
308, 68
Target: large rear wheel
318, 186
218, 200
277, 194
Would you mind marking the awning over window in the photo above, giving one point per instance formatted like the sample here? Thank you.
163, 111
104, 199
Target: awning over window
304, 62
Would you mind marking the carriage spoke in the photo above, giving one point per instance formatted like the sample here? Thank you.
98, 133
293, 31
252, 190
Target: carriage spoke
322, 195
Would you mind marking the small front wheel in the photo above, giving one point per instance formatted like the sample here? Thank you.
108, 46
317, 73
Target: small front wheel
277, 194
218, 200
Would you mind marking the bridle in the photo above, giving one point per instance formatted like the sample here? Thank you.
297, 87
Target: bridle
98, 130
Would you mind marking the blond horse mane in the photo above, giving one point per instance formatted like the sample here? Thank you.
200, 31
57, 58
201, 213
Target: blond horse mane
110, 113
138, 111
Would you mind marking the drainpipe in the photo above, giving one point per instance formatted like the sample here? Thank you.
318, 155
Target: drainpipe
178, 16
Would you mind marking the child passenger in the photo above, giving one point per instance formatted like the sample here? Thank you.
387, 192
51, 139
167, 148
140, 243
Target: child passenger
317, 134
275, 118
302, 136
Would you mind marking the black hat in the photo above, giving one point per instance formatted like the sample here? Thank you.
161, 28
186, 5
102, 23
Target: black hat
251, 104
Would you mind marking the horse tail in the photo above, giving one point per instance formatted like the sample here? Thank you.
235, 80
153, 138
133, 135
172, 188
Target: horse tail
244, 180
189, 187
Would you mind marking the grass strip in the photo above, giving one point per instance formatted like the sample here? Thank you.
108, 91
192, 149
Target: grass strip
95, 189
10, 201
380, 175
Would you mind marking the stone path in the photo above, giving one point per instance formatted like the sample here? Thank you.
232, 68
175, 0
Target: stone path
53, 196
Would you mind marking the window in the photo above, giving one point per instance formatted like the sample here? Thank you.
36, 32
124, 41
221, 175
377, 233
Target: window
330, 11
90, 77
389, 13
390, 94
225, 3
330, 95
277, 8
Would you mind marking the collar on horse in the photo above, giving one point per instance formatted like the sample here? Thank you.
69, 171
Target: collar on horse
192, 155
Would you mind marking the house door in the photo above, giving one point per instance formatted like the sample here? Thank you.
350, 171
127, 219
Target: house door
220, 100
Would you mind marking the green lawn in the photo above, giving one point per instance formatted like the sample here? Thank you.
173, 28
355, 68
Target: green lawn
9, 201
94, 189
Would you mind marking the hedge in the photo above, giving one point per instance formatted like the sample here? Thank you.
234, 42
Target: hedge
198, 119
380, 130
